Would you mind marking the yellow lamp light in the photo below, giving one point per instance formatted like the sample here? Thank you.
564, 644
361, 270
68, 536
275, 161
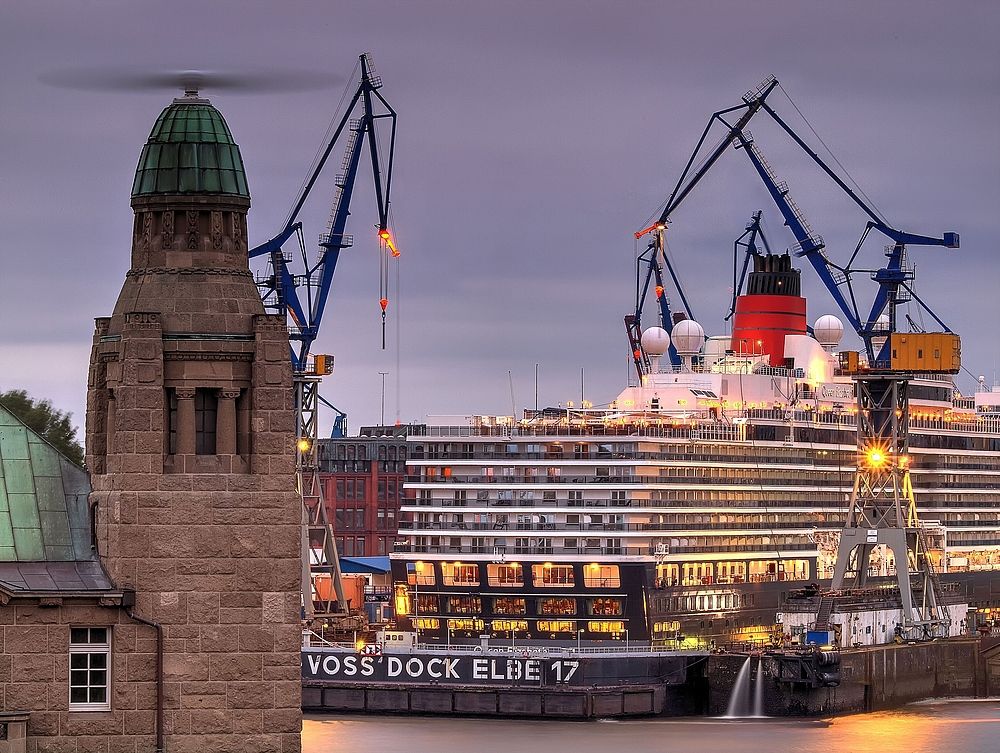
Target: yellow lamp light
876, 457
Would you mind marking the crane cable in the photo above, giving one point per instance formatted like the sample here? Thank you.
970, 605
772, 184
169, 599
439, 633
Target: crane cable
833, 156
335, 118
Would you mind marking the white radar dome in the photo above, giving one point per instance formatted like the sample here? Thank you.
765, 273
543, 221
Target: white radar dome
828, 330
688, 337
655, 341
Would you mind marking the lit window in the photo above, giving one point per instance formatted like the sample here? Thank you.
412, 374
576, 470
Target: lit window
466, 624
427, 623
557, 606
89, 667
605, 607
504, 575
552, 575
508, 605
508, 626
420, 573
459, 574
601, 576
603, 626
556, 626
464, 605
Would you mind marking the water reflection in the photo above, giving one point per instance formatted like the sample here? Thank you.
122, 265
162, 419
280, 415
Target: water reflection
942, 727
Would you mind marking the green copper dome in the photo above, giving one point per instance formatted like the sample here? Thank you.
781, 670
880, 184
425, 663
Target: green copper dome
190, 151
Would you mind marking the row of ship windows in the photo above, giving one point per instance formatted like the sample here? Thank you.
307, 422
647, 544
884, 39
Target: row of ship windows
511, 574
694, 474
483, 543
547, 521
707, 452
749, 571
552, 606
474, 625
714, 602
659, 498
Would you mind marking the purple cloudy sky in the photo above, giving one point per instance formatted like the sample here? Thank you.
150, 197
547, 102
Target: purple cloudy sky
533, 138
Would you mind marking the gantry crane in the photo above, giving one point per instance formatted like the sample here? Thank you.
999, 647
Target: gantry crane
302, 297
882, 509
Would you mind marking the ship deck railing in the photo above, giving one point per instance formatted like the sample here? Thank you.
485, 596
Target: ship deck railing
729, 422
457, 528
621, 551
520, 650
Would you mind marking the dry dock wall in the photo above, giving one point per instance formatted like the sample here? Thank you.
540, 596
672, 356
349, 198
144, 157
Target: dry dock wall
872, 678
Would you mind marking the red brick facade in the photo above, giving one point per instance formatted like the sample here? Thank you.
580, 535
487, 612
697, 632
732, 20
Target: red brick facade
363, 488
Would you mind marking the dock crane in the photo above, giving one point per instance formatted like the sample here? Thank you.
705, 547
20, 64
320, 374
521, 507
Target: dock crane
302, 297
882, 509
894, 280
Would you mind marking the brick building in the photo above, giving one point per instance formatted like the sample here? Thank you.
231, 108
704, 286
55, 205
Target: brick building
363, 487
181, 631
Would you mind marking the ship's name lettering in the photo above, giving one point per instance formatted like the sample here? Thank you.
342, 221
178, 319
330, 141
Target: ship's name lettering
431, 669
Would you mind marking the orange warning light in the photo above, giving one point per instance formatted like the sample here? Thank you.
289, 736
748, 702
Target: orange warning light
637, 353
383, 302
659, 291
386, 238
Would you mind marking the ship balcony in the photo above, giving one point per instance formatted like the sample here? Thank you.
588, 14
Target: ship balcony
413, 505
456, 527
752, 478
405, 547
496, 551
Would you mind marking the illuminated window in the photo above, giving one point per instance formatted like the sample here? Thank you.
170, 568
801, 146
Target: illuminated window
505, 574
508, 605
427, 623
604, 607
459, 574
464, 605
601, 576
671, 626
552, 575
420, 573
427, 604
89, 665
557, 626
466, 624
557, 606
402, 599
606, 626
508, 626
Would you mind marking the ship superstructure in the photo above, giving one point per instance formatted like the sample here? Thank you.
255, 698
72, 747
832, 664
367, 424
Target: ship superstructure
684, 509
688, 508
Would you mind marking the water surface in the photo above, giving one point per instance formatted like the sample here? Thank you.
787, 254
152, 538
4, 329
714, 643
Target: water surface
928, 727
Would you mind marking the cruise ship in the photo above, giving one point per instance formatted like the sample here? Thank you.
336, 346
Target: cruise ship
686, 510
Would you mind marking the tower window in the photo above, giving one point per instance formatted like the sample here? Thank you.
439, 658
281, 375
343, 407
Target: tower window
206, 408
171, 422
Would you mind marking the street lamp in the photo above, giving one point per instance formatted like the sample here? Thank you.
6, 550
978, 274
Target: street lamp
579, 635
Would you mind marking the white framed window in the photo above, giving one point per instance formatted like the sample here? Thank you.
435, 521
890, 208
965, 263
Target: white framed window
89, 669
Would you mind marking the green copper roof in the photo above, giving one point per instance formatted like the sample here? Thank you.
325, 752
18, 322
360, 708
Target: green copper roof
190, 150
43, 499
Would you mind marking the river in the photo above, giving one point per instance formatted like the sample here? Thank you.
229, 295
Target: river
927, 727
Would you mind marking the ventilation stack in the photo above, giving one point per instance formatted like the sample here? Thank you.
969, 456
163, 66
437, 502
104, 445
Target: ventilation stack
771, 308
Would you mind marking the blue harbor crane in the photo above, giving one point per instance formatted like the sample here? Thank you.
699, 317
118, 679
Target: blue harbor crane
302, 294
894, 280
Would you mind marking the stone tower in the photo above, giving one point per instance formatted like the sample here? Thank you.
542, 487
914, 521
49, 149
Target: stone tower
190, 441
